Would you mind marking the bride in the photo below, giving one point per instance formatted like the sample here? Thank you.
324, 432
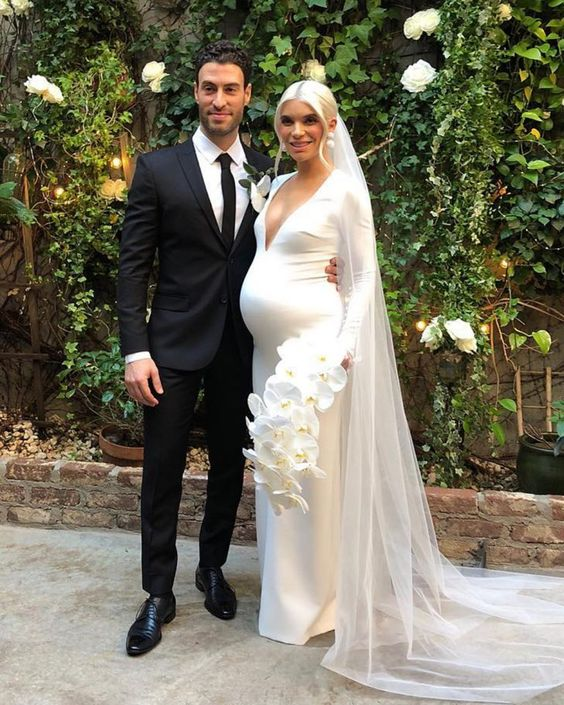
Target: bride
364, 559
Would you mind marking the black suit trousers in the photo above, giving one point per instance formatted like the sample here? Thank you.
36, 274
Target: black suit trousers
227, 383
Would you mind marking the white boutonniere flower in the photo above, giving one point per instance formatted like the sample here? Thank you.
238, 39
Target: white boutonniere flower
258, 185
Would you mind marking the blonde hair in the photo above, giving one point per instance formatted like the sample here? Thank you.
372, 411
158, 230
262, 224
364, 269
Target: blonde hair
320, 99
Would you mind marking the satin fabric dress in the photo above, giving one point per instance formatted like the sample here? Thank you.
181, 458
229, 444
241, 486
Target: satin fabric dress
286, 294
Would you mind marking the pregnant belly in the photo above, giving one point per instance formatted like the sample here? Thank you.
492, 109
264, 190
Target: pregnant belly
279, 302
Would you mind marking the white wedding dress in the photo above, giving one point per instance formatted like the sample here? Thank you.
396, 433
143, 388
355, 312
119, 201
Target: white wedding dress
364, 560
286, 294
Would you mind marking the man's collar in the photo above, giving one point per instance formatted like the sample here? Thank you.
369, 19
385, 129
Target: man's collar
211, 151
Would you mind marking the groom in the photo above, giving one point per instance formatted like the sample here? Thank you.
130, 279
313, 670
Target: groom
187, 205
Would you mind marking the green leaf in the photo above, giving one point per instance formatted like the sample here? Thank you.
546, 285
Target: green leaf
516, 340
282, 45
308, 32
516, 158
531, 115
539, 268
508, 404
107, 396
531, 176
316, 3
532, 53
543, 340
537, 164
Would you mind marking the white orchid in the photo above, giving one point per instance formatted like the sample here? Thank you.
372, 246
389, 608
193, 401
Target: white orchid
281, 397
418, 76
285, 426
318, 394
305, 421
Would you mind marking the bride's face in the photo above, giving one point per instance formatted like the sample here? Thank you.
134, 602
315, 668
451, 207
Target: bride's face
300, 129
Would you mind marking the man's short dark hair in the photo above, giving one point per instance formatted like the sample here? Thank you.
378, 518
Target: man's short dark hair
224, 52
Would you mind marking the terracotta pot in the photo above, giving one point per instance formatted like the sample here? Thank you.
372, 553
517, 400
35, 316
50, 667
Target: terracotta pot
538, 469
114, 452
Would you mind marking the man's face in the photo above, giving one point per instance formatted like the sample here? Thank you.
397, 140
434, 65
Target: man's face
221, 97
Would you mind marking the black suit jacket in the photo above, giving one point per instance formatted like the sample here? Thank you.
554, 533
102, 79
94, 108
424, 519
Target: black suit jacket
169, 214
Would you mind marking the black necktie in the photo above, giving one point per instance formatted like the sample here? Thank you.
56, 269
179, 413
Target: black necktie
228, 190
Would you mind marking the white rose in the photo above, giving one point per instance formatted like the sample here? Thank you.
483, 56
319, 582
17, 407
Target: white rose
412, 28
120, 186
52, 94
461, 332
108, 189
5, 9
504, 12
429, 20
418, 76
314, 70
155, 85
152, 71
21, 6
36, 84
467, 345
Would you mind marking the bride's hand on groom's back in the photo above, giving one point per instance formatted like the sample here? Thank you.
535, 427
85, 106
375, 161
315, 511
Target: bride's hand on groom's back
331, 271
141, 378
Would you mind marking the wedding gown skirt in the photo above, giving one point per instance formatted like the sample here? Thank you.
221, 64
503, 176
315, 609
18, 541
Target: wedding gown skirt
286, 294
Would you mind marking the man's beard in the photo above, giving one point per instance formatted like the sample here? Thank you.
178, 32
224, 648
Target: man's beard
220, 130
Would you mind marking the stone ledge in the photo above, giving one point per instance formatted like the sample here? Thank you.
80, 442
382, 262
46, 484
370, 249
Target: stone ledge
519, 529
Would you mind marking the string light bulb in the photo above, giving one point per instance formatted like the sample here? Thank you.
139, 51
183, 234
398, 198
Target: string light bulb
58, 191
421, 325
504, 263
485, 328
115, 163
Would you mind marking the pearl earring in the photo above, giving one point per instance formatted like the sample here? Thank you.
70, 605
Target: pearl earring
331, 140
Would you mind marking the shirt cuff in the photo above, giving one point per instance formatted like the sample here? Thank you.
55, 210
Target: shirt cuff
143, 355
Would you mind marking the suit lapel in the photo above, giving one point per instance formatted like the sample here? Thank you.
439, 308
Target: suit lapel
191, 169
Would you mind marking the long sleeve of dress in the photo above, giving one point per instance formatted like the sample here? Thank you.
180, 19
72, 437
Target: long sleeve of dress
357, 264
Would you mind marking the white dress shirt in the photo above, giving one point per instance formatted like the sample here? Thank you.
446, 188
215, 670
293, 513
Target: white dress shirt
207, 153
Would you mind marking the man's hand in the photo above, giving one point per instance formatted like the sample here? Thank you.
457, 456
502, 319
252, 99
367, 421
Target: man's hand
137, 376
331, 271
347, 362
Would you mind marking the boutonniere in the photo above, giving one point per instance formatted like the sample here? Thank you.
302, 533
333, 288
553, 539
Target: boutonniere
257, 184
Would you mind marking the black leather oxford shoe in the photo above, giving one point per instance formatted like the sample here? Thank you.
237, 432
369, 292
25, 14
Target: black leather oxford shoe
220, 596
145, 633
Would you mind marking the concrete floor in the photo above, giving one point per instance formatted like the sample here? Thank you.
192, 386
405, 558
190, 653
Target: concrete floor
68, 598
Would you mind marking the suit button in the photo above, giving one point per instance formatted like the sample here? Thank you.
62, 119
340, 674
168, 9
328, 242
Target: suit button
223, 300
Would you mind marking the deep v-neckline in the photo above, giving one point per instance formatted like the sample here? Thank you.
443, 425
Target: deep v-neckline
287, 218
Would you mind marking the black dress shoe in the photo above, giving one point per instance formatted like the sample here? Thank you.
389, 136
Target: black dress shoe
145, 633
220, 596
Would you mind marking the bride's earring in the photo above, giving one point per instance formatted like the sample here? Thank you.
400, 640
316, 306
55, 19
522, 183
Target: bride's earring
282, 147
331, 140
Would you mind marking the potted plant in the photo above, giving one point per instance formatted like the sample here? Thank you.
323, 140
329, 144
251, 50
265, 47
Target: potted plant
96, 377
540, 462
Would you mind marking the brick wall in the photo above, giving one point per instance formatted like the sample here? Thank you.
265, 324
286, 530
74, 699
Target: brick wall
519, 529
